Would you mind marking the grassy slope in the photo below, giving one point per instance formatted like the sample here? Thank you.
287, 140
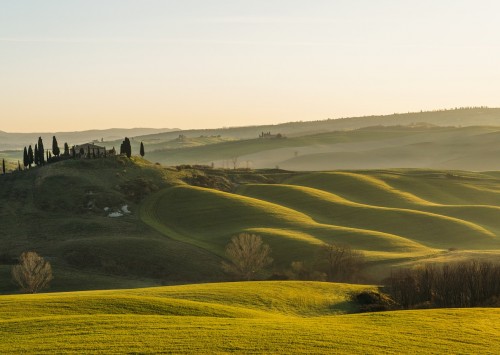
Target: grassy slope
209, 218
270, 317
392, 214
395, 216
48, 212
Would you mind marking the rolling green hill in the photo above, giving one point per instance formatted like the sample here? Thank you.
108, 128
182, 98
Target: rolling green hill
62, 212
251, 317
178, 226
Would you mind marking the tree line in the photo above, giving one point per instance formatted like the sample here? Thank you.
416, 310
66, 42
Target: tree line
463, 284
40, 156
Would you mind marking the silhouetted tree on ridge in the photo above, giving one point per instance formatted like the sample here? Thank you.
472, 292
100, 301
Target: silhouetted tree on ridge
41, 152
142, 150
25, 158
30, 157
55, 147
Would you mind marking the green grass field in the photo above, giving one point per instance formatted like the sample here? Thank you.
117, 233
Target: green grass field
387, 214
252, 317
177, 233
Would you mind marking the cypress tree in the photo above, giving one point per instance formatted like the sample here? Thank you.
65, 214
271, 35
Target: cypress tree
127, 148
48, 157
66, 150
142, 150
25, 158
30, 156
74, 152
19, 166
37, 155
3, 166
55, 147
41, 155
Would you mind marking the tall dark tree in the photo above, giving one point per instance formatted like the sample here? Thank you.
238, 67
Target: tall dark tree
25, 157
55, 147
3, 166
66, 149
30, 157
48, 156
142, 150
127, 149
41, 150
73, 150
19, 165
37, 155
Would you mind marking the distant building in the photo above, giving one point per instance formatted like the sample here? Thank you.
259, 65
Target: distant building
268, 135
83, 150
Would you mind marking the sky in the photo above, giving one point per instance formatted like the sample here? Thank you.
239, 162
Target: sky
97, 64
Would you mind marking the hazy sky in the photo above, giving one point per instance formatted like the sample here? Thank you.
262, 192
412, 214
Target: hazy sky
81, 64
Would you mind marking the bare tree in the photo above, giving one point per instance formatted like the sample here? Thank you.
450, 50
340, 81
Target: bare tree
340, 262
234, 161
33, 272
248, 256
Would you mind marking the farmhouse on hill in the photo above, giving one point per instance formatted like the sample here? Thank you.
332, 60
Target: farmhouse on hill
268, 135
83, 150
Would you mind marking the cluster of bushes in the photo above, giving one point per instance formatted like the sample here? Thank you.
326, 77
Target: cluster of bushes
210, 181
464, 284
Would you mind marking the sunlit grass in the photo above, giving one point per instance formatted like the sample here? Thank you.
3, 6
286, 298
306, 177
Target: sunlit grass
269, 317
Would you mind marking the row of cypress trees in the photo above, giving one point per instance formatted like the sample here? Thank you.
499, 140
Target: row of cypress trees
39, 156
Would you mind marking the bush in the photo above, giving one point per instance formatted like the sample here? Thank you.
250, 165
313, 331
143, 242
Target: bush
371, 301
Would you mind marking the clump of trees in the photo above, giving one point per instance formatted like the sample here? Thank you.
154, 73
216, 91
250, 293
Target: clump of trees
340, 262
33, 273
335, 262
247, 256
464, 284
126, 148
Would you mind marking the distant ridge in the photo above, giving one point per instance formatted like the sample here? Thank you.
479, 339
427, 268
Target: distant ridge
14, 141
462, 117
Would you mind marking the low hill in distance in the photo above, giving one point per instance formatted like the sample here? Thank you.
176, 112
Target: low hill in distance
255, 317
445, 118
468, 148
17, 141
315, 146
118, 222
